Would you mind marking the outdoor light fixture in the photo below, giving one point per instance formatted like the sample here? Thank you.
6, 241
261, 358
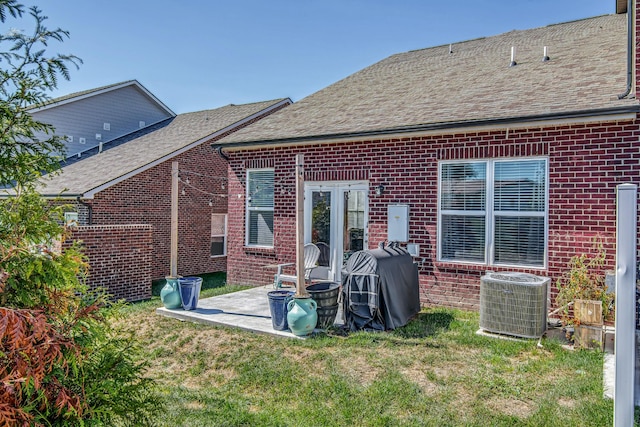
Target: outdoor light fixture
379, 190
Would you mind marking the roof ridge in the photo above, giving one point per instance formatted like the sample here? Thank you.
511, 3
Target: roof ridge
503, 33
269, 101
86, 92
275, 100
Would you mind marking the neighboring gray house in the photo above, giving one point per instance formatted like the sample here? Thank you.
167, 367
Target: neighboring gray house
93, 117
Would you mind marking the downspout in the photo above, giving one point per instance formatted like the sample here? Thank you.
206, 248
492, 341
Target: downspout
630, 53
89, 210
224, 156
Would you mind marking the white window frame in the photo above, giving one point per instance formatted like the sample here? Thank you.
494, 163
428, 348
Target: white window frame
490, 213
249, 209
224, 235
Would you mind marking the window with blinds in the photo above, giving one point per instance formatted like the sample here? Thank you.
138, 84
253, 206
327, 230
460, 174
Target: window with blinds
493, 212
218, 235
259, 207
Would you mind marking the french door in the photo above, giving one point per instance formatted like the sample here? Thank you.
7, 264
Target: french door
336, 220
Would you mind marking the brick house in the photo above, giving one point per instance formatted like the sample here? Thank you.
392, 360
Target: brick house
120, 192
502, 164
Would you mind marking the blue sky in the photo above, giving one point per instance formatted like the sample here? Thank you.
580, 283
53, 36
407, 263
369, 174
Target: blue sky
201, 54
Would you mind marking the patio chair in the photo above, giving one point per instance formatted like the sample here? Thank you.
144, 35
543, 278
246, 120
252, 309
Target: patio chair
311, 254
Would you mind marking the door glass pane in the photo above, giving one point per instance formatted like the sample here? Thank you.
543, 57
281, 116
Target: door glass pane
321, 225
353, 233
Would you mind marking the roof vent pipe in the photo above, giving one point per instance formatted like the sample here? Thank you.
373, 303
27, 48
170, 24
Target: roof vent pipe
545, 56
450, 49
513, 57
630, 15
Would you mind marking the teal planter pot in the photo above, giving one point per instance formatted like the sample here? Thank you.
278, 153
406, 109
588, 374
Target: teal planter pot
302, 316
170, 294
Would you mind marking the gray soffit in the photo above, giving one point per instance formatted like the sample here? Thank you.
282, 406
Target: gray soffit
473, 85
136, 152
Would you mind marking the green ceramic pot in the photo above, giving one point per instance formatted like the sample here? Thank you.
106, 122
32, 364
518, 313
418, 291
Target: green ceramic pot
302, 316
170, 294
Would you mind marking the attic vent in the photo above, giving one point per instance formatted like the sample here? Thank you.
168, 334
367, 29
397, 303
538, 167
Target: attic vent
141, 124
106, 126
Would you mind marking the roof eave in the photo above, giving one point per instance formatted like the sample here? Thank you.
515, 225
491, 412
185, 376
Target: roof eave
431, 127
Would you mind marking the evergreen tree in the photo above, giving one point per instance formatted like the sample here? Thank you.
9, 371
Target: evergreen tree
61, 360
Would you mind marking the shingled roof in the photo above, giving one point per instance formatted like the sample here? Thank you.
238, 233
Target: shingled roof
435, 89
136, 152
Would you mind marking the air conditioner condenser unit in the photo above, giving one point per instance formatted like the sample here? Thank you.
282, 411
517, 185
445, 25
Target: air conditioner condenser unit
514, 304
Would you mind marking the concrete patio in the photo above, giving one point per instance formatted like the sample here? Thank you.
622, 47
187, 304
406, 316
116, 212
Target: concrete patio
248, 309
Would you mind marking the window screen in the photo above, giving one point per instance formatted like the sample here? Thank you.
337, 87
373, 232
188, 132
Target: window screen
260, 207
493, 212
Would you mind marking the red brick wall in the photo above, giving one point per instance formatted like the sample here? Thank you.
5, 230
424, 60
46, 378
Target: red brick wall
146, 199
586, 162
119, 258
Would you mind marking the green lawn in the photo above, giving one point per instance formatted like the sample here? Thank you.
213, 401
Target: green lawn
434, 371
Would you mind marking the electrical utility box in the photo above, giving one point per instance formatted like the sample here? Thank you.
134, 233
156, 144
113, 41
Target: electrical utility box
398, 223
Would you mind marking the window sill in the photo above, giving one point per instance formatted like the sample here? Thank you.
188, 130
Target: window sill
451, 265
251, 250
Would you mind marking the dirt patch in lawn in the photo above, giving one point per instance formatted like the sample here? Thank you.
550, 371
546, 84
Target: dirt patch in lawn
512, 407
417, 375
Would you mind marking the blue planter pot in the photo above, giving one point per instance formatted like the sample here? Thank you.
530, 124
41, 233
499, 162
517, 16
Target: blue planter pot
278, 301
190, 291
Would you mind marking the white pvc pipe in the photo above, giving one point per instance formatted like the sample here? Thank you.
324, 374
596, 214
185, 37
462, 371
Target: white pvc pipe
625, 343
